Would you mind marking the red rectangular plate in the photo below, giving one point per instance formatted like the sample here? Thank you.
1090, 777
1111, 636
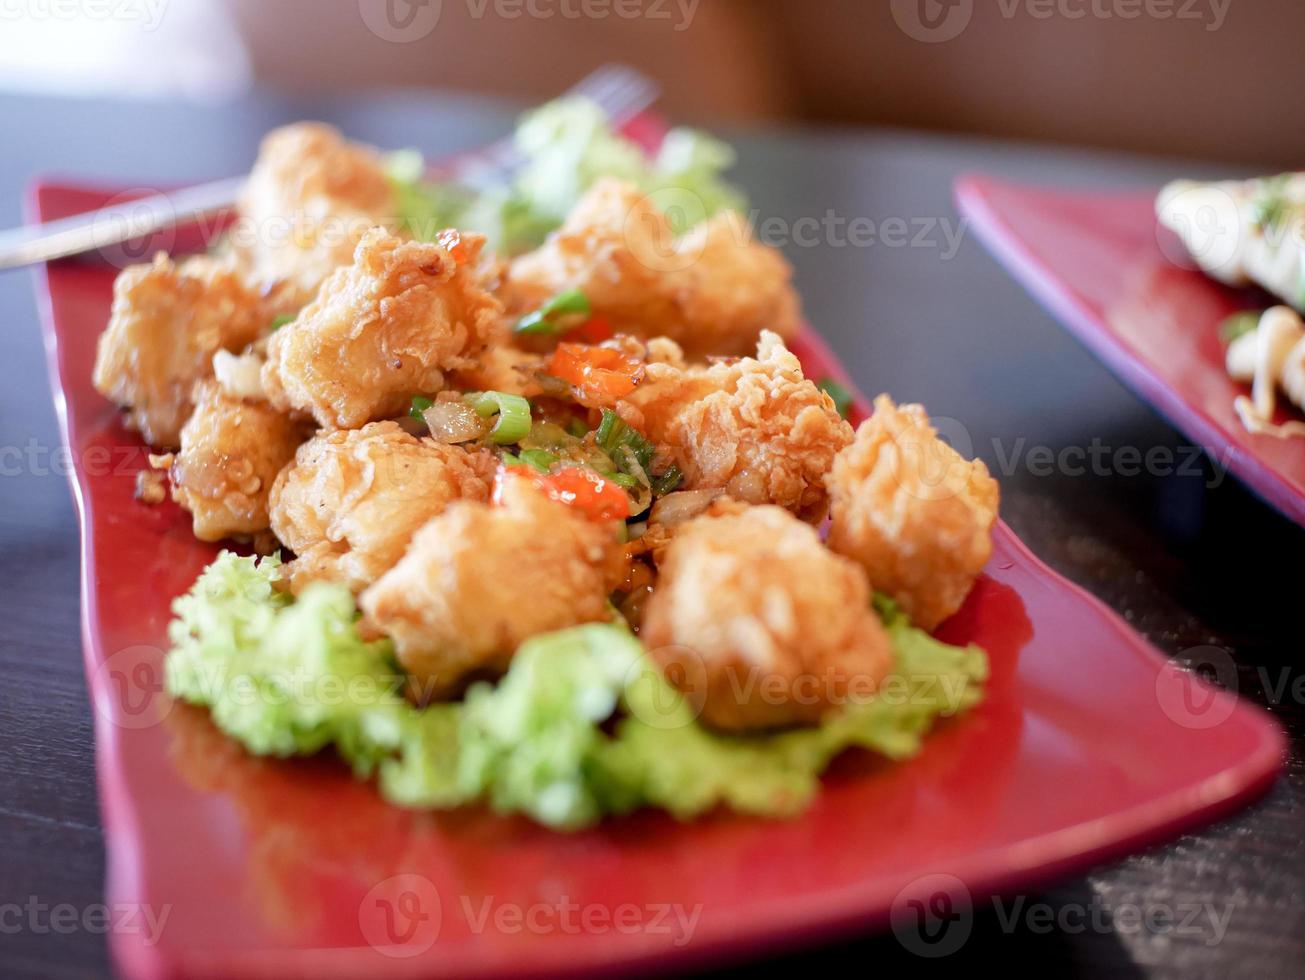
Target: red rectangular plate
1090, 744
1123, 285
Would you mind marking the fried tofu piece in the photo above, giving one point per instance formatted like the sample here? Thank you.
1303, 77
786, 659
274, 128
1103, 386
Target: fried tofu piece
231, 453
167, 321
501, 366
479, 580
351, 501
912, 512
760, 624
309, 199
385, 328
755, 427
712, 290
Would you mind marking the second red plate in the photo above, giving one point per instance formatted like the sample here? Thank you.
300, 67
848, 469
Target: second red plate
1121, 284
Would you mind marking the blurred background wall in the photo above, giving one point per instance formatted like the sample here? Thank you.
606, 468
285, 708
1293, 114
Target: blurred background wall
1209, 78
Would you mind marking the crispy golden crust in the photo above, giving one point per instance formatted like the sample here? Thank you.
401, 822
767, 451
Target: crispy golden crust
381, 330
713, 290
231, 453
501, 367
754, 426
167, 321
915, 514
351, 501
308, 201
760, 623
479, 580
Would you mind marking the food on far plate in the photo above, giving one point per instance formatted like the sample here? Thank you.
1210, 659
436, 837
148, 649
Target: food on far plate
1252, 232
1268, 352
539, 486
1240, 232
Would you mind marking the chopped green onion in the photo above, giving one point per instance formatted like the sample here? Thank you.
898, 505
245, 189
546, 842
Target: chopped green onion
419, 405
667, 482
843, 398
577, 428
1271, 206
556, 315
1239, 324
623, 480
282, 320
540, 459
613, 434
513, 411
507, 459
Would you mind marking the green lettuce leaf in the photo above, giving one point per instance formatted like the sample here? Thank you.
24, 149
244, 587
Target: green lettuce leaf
662, 758
284, 678
565, 146
294, 677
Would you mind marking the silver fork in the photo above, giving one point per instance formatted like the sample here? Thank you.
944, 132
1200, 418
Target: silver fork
621, 92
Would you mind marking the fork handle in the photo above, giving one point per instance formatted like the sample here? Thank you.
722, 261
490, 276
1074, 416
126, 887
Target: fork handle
117, 224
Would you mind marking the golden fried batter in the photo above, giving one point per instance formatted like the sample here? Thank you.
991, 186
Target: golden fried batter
761, 624
351, 501
713, 290
501, 366
915, 514
479, 580
381, 330
308, 201
168, 319
231, 452
754, 426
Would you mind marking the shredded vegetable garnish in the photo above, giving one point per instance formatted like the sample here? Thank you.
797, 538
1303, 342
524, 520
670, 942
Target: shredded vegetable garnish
419, 405
513, 412
540, 459
593, 331
843, 398
1239, 324
424, 209
633, 455
588, 491
564, 311
614, 435
598, 375
451, 241
667, 482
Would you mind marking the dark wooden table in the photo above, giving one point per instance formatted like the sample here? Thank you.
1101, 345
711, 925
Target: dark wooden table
918, 315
